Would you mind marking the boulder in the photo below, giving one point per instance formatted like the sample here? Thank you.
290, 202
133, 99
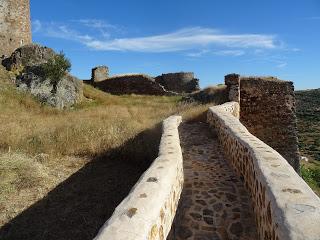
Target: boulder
28, 55
64, 94
27, 63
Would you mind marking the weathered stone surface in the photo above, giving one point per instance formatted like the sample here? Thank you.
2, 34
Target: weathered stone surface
277, 198
153, 214
233, 86
267, 109
132, 84
26, 62
67, 92
182, 82
99, 74
28, 56
209, 210
15, 27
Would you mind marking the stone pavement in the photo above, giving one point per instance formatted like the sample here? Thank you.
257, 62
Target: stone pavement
214, 203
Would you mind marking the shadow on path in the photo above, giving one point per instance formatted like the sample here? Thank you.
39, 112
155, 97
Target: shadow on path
79, 206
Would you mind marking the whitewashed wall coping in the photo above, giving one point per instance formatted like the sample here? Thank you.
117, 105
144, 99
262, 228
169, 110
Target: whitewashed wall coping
138, 215
295, 207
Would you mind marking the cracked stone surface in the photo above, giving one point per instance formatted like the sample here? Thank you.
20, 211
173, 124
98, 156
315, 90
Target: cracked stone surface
214, 203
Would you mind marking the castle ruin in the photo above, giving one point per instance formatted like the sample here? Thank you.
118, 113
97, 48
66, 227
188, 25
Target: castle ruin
180, 82
15, 25
268, 111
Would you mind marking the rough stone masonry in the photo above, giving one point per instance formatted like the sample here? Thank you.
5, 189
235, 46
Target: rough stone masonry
15, 26
181, 82
99, 74
267, 109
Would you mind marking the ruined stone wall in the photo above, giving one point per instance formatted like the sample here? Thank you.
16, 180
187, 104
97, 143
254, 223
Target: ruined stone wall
15, 27
232, 82
131, 84
182, 82
267, 109
285, 207
148, 211
99, 73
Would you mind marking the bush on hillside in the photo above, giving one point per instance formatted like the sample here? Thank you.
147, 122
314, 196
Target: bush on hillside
56, 67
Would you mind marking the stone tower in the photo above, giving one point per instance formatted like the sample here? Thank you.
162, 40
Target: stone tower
15, 25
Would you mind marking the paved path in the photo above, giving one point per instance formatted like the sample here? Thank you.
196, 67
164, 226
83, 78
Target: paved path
214, 203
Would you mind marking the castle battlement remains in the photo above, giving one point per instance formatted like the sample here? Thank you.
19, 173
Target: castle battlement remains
15, 25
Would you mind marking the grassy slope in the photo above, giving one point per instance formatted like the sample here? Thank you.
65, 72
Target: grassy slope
41, 147
308, 114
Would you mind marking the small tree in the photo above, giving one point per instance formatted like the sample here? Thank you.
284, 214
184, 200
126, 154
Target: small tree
56, 68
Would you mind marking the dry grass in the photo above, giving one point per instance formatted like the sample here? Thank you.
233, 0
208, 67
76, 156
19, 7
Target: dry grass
40, 147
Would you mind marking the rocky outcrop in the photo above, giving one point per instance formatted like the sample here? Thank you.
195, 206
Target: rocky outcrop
132, 84
64, 94
27, 56
182, 82
27, 63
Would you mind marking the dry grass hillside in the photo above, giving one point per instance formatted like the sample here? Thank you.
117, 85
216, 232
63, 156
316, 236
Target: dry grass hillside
68, 170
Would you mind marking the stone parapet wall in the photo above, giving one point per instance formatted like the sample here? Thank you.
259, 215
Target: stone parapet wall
284, 205
267, 109
148, 211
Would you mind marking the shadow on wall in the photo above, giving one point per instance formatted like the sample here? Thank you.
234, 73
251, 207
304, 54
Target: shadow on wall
79, 206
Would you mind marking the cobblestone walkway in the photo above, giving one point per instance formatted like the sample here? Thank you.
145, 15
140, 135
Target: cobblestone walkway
214, 203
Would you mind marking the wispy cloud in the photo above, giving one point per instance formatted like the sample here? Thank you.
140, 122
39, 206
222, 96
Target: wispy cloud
282, 64
195, 39
198, 53
96, 23
313, 18
186, 39
235, 53
36, 26
277, 60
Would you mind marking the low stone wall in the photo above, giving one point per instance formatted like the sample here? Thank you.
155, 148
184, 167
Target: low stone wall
132, 84
148, 211
181, 82
284, 205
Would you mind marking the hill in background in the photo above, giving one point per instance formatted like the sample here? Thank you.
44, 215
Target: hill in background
308, 116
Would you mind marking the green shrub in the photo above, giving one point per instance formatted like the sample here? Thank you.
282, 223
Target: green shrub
56, 67
311, 175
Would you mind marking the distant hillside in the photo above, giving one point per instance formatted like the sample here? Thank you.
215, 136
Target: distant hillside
308, 101
308, 113
308, 116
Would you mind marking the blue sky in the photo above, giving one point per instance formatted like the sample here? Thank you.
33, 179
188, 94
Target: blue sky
210, 38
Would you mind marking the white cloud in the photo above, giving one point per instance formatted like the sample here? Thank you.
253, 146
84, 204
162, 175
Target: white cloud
186, 39
36, 26
313, 18
96, 23
282, 65
197, 39
235, 53
197, 54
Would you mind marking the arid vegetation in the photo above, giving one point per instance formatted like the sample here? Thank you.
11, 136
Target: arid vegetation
308, 114
42, 148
